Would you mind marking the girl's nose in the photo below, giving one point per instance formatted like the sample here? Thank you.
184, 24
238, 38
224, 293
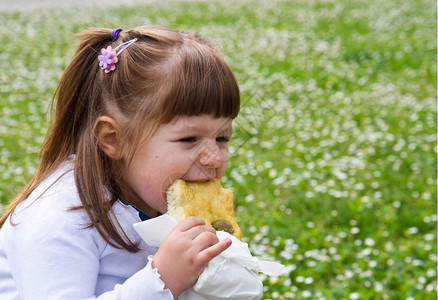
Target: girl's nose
210, 156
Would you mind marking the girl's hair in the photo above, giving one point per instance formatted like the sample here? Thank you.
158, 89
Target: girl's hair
163, 75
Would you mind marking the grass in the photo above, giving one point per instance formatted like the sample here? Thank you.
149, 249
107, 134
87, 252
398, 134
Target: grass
334, 163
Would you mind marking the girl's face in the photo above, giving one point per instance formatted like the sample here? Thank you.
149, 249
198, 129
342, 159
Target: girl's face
189, 148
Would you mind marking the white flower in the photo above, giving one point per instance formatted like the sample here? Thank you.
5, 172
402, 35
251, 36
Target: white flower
412, 230
369, 242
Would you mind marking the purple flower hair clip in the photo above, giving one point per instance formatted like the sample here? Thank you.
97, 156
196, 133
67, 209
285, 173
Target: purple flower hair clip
108, 57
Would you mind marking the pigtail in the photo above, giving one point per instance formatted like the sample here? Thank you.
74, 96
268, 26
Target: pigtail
72, 98
68, 107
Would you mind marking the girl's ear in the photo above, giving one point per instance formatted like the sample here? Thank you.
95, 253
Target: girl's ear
107, 133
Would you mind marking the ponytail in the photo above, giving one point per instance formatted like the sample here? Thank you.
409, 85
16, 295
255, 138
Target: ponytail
72, 95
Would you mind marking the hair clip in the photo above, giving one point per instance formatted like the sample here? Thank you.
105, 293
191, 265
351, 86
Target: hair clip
108, 58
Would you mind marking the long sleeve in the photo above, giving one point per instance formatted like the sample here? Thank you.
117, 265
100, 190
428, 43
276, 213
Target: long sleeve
50, 254
151, 286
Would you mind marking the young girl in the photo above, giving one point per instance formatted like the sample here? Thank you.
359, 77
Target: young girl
135, 110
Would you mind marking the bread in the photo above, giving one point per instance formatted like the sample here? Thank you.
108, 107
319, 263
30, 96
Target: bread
207, 200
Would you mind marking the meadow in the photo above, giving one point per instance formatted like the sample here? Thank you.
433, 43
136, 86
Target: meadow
334, 157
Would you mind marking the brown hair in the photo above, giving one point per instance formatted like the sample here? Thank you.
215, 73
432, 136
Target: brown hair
163, 75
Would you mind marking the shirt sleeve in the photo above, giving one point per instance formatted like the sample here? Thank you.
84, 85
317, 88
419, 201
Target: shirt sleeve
152, 287
52, 258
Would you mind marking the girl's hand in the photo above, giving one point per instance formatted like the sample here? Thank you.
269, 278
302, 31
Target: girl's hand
185, 252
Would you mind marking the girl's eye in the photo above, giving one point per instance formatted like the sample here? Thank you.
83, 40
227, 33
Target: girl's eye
189, 139
222, 139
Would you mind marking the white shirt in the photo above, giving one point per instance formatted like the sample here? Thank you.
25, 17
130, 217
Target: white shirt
51, 254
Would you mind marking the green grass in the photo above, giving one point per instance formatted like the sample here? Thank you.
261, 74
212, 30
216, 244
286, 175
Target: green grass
334, 163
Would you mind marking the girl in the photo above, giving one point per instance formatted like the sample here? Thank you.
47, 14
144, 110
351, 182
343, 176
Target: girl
135, 110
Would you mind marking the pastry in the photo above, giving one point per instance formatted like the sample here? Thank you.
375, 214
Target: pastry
207, 200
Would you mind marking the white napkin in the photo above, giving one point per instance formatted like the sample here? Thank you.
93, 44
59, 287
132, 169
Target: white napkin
233, 274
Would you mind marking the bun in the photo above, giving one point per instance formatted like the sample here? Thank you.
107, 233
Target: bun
207, 200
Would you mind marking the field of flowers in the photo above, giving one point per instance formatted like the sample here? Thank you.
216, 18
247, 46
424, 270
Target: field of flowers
334, 159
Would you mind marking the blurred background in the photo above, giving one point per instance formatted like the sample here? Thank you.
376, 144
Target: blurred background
334, 159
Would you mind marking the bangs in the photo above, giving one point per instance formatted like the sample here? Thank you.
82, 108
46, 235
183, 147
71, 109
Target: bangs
202, 83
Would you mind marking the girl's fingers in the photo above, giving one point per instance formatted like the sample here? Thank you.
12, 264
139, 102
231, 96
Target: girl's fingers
189, 223
194, 226
211, 252
205, 240
194, 232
